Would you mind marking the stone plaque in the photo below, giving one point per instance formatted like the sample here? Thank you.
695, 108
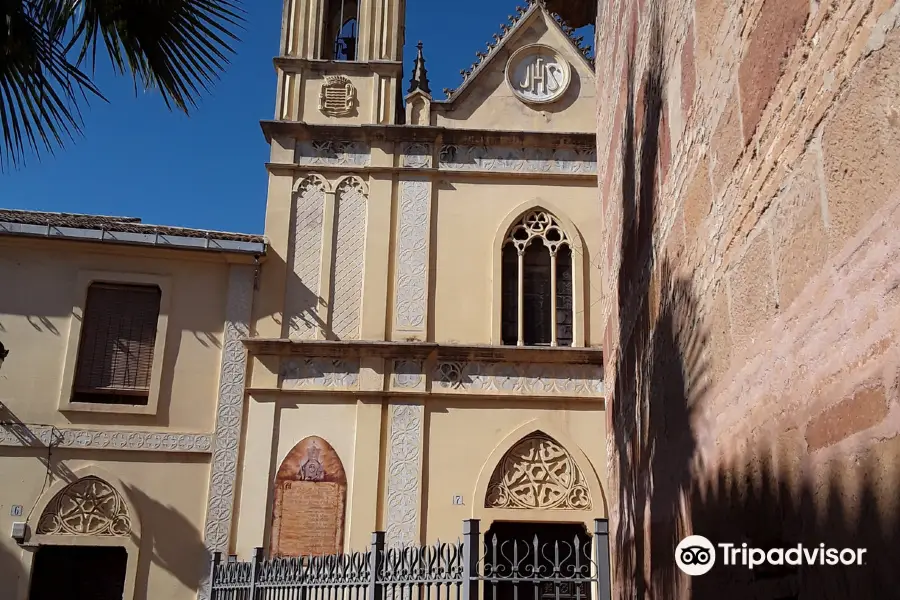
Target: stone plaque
538, 74
307, 520
310, 499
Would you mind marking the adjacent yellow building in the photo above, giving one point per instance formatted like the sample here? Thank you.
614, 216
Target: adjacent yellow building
414, 342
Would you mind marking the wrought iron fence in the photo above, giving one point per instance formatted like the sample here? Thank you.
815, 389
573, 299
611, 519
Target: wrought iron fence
469, 569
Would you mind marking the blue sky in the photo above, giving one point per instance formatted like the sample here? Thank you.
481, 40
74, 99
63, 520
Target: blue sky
207, 171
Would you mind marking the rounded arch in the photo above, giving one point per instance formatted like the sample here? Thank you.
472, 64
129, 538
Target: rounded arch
310, 501
576, 242
313, 179
598, 508
130, 540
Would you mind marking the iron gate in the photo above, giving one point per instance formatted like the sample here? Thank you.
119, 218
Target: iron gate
469, 569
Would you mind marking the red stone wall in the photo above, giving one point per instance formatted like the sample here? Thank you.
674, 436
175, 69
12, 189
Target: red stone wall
752, 286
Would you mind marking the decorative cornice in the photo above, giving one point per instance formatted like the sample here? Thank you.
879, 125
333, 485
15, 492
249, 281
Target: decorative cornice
427, 133
353, 349
293, 64
22, 435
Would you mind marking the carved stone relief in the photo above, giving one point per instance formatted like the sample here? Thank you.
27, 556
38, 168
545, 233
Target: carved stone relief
519, 378
416, 155
538, 74
337, 97
89, 506
412, 255
230, 410
408, 374
319, 373
538, 474
511, 159
349, 258
332, 154
302, 303
18, 434
309, 501
404, 474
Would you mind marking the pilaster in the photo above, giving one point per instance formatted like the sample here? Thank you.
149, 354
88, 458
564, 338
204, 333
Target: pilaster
410, 320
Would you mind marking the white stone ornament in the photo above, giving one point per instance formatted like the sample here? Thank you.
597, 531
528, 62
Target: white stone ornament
538, 74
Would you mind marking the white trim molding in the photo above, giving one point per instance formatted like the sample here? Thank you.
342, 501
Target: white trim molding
41, 436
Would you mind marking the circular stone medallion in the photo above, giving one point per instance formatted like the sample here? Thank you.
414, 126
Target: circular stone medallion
538, 74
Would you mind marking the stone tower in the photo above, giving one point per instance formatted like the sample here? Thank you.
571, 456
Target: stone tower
340, 59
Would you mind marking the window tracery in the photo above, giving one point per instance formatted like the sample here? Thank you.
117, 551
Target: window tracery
89, 506
538, 473
537, 281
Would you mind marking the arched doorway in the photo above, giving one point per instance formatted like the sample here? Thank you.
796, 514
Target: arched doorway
84, 535
310, 500
541, 500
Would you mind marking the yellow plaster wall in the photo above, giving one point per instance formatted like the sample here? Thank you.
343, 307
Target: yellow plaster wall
35, 312
172, 559
489, 103
469, 215
462, 435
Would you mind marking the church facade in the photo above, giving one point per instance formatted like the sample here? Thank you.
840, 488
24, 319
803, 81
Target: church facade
423, 349
413, 343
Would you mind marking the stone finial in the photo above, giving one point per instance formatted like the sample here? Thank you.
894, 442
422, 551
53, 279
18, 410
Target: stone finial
419, 79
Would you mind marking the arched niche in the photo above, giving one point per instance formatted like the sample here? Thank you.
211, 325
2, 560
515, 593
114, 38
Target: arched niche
309, 501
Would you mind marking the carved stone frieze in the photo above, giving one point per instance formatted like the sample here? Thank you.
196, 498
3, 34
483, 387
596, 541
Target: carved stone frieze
519, 378
538, 473
404, 474
408, 374
88, 507
412, 254
21, 435
511, 159
320, 373
416, 155
337, 97
230, 410
332, 153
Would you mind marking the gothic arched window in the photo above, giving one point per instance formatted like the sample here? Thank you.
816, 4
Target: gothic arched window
537, 276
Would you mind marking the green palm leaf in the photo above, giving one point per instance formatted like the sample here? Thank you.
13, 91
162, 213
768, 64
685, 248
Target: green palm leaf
178, 47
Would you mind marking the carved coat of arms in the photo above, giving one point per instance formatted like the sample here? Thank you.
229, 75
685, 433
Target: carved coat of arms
338, 96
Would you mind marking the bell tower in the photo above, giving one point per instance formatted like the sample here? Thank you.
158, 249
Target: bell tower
340, 61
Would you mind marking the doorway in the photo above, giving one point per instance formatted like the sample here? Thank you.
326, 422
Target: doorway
556, 558
78, 573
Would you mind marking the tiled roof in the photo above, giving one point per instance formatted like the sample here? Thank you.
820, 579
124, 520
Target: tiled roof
116, 224
514, 21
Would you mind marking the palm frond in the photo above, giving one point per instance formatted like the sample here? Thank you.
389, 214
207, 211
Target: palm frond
40, 89
176, 46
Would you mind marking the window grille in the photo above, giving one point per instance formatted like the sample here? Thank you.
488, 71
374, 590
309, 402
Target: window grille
536, 282
118, 335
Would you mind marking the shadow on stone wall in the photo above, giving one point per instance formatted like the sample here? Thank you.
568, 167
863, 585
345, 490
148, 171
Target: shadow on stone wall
11, 572
768, 496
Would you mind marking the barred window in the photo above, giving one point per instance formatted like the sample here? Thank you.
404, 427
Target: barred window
536, 283
115, 353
